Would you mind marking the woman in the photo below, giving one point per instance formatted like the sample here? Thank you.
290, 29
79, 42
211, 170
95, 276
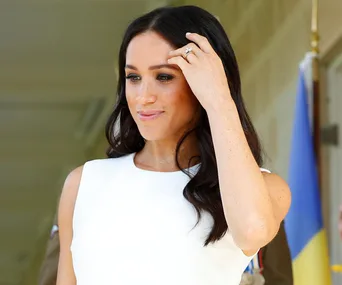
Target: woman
181, 199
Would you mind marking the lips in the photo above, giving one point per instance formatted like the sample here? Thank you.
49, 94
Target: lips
149, 115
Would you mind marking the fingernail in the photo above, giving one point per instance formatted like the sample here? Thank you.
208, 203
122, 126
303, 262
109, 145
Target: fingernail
188, 34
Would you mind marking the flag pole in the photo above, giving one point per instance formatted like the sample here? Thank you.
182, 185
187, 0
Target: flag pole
315, 87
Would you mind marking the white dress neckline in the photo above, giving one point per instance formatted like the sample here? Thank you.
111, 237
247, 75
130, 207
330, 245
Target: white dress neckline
133, 226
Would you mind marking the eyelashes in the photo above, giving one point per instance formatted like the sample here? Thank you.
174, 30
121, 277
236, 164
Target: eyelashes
165, 77
133, 77
160, 77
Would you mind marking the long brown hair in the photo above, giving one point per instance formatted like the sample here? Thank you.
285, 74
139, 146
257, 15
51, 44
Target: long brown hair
172, 23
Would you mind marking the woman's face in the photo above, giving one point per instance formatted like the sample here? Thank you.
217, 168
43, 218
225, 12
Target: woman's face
158, 95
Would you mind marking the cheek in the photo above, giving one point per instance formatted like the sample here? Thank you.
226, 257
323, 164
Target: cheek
130, 96
180, 94
185, 105
188, 109
129, 93
131, 102
185, 100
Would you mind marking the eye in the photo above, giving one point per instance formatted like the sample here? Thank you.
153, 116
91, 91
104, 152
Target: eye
164, 77
133, 77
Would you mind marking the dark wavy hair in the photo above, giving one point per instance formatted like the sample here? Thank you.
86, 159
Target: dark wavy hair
123, 135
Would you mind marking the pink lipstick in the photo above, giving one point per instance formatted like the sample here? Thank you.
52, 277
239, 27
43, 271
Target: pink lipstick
149, 115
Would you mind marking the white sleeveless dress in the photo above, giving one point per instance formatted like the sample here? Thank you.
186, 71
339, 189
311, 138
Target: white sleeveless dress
134, 227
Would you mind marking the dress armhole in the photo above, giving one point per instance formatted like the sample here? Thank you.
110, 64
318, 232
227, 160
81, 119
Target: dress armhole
265, 170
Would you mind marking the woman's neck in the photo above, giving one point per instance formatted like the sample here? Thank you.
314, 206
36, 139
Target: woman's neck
161, 155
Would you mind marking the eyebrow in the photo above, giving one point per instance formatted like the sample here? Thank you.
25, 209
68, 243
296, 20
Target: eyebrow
153, 67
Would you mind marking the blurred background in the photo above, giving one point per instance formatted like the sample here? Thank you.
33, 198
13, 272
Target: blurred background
57, 87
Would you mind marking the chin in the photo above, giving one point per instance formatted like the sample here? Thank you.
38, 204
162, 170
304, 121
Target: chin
152, 134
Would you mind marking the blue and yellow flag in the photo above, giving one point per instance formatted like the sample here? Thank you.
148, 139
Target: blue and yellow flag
304, 224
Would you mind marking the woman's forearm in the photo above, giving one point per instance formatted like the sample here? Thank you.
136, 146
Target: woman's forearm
245, 197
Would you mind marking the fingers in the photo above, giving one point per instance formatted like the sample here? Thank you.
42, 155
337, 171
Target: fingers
192, 51
201, 41
184, 56
182, 51
180, 62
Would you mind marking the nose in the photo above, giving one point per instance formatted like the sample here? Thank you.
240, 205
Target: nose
146, 95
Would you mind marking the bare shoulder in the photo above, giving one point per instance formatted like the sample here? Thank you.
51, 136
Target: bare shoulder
279, 192
66, 207
275, 181
69, 193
